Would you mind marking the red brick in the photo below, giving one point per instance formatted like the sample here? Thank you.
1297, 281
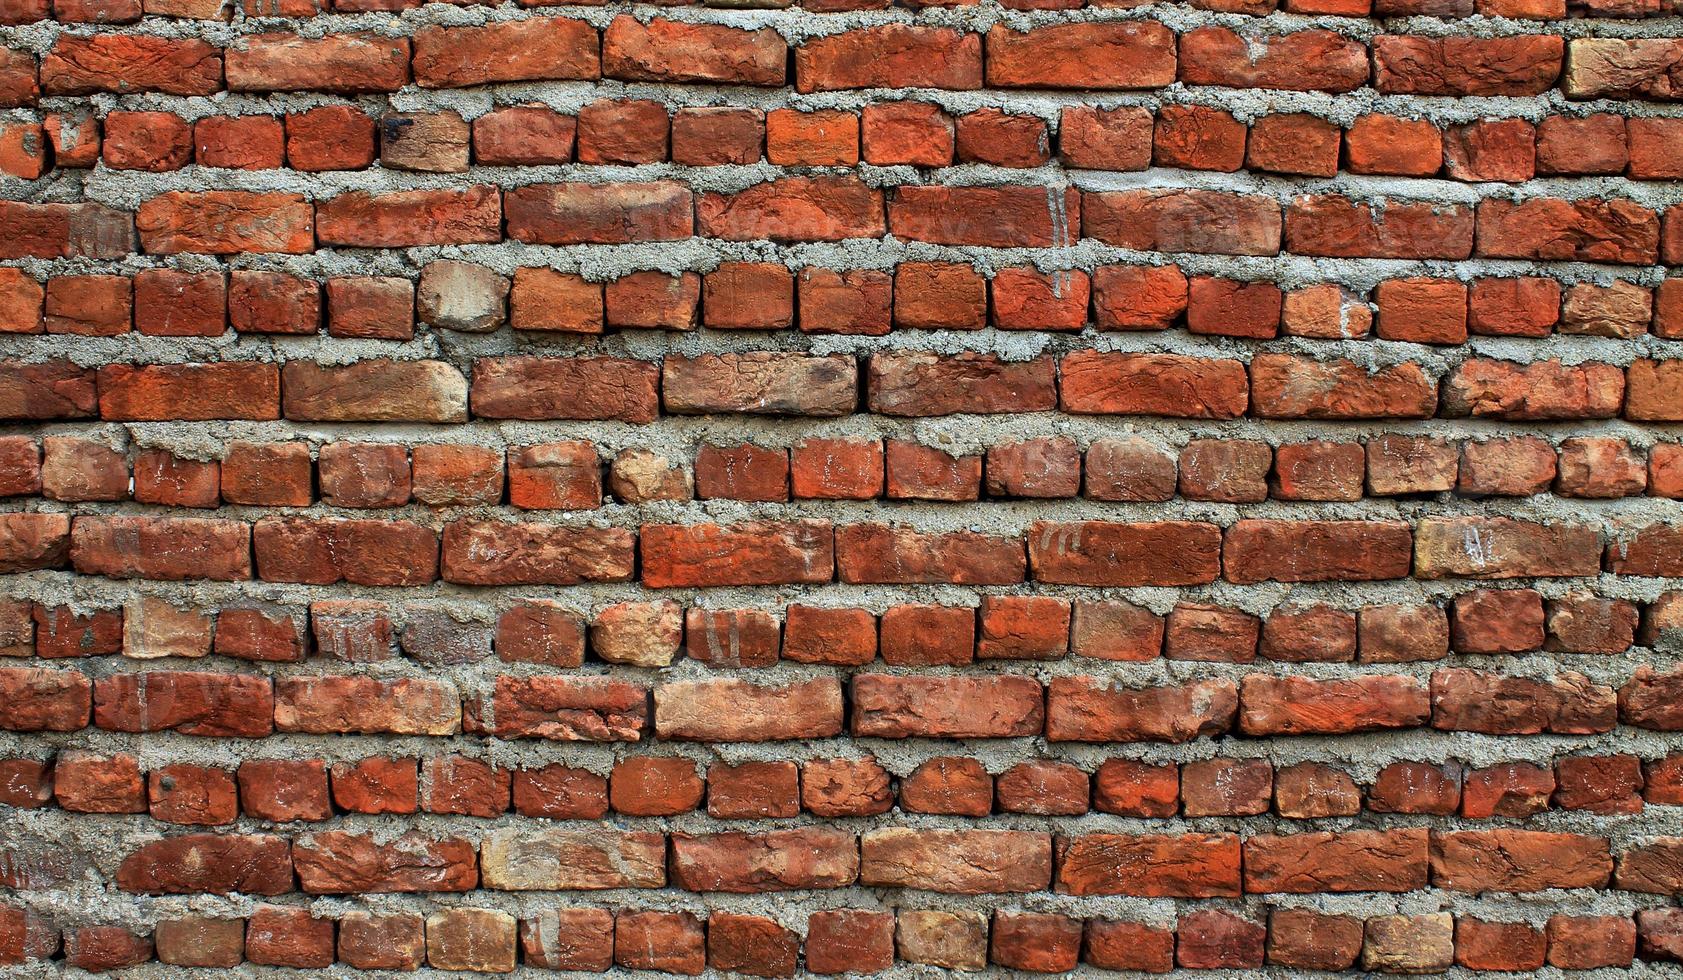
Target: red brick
547, 300
1092, 553
948, 785
909, 133
1513, 789
793, 209
348, 63
1194, 137
890, 56
1043, 788
1085, 710
961, 862
1001, 139
87, 783
546, 48
849, 941
1149, 865
759, 553
1294, 143
672, 942
1105, 139
922, 635
1465, 65
343, 863
1183, 221
100, 949
283, 790
716, 135
187, 794
730, 710
1016, 217
1466, 700
1038, 943
1380, 144
1589, 942
560, 792
524, 135
329, 138
1591, 230
420, 217
1488, 621
214, 863
750, 944
1588, 145
1491, 149
1518, 861
938, 295
1111, 55
239, 142
1308, 60
753, 790
729, 638
200, 941
81, 65
152, 141
225, 222
386, 942
1226, 471
284, 936
169, 303
1114, 945
93, 306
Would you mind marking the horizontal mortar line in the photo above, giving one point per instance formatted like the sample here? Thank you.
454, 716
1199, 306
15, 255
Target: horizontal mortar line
476, 677
1375, 354
902, 760
116, 187
1371, 754
1248, 104
1587, 899
798, 25
1629, 829
204, 440
85, 594
608, 262
954, 434
1003, 517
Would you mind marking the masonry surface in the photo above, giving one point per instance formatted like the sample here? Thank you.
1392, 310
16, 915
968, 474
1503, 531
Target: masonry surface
902, 490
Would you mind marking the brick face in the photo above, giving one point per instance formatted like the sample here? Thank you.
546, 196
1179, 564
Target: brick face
540, 480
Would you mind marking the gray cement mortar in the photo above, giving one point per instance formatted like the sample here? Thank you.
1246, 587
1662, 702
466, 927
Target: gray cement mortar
99, 843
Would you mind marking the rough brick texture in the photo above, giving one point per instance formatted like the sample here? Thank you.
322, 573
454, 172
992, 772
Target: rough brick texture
840, 487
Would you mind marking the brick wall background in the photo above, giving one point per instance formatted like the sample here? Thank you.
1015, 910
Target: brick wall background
775, 491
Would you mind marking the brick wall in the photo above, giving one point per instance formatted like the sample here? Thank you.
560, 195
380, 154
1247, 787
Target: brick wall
844, 488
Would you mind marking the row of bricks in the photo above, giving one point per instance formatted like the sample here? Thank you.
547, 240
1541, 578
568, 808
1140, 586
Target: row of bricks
609, 131
654, 634
857, 941
128, 11
841, 207
569, 475
1079, 708
896, 383
462, 296
518, 858
1100, 55
655, 786
809, 551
